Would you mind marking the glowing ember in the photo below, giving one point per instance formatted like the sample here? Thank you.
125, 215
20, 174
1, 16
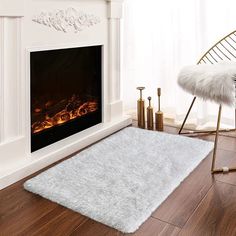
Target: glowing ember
72, 110
37, 110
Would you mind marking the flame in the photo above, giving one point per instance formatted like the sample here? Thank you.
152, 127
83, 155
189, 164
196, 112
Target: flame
63, 116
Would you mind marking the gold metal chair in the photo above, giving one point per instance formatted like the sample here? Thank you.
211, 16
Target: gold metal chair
223, 50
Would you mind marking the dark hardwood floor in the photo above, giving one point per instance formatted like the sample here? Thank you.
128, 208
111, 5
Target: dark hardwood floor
202, 205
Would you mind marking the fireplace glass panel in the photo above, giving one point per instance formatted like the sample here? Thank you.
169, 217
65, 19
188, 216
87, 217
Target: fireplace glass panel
66, 94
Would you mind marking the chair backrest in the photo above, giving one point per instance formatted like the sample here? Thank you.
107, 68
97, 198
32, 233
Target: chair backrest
223, 50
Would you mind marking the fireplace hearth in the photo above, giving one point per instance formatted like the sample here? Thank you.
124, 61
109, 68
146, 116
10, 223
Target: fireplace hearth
65, 93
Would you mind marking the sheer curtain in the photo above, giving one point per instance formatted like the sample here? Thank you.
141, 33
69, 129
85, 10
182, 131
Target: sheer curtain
159, 38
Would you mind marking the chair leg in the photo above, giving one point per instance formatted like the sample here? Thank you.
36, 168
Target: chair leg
223, 169
186, 117
235, 119
216, 140
235, 104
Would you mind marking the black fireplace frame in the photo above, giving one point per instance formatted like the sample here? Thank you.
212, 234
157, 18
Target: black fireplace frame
89, 120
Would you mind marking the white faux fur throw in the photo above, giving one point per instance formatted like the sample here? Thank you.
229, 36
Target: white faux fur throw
210, 82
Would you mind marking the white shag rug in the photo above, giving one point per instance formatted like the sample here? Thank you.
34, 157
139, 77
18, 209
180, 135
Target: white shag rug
122, 179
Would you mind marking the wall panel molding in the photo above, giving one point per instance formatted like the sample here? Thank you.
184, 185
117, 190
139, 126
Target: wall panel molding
20, 106
10, 78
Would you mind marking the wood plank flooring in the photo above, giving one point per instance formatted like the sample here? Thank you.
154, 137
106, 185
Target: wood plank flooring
202, 205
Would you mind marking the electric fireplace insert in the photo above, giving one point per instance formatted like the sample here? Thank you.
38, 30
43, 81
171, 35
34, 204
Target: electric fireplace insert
66, 93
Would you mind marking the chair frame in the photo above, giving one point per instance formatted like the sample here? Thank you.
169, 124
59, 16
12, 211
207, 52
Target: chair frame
211, 56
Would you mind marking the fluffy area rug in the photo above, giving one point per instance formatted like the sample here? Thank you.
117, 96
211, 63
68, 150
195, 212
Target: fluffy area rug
122, 179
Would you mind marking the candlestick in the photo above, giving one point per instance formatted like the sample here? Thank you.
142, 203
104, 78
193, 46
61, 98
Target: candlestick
159, 113
141, 109
149, 115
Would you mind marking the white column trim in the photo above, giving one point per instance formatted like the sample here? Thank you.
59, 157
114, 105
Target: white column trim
20, 106
2, 71
115, 8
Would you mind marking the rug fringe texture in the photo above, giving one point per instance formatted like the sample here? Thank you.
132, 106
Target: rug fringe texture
122, 179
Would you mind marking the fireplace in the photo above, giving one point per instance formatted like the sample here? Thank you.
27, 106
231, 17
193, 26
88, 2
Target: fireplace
47, 95
66, 93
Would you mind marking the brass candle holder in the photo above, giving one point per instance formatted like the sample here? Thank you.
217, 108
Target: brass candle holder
141, 109
159, 114
149, 115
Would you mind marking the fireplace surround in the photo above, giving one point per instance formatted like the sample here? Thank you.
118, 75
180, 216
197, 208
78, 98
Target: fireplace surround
28, 27
65, 93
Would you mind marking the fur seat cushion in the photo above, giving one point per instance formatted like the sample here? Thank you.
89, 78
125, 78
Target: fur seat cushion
210, 82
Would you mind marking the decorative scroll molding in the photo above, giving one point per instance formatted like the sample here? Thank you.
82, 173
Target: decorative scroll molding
66, 20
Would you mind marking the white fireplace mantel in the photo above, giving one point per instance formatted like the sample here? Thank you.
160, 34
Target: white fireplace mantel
19, 35
12, 8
